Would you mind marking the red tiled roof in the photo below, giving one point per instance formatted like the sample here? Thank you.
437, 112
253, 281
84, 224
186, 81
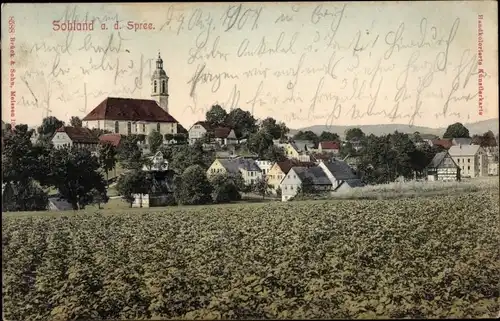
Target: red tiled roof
79, 134
222, 132
113, 139
286, 165
446, 143
329, 145
129, 109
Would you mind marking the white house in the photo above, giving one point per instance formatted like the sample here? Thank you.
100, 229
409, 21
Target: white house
265, 166
156, 163
471, 159
68, 136
298, 176
197, 131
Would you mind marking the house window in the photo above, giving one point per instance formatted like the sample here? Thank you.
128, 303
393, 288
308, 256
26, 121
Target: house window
117, 127
468, 168
129, 128
155, 86
285, 187
158, 127
468, 160
291, 187
143, 128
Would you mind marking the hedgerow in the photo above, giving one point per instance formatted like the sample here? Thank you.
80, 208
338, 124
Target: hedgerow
417, 258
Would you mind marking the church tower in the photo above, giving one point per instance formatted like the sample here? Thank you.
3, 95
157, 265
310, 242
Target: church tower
159, 85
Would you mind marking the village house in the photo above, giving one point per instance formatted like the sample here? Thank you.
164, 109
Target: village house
264, 165
248, 168
159, 192
329, 147
493, 169
339, 172
67, 136
442, 168
128, 116
471, 159
225, 136
492, 158
297, 149
35, 136
299, 176
279, 170
155, 163
221, 135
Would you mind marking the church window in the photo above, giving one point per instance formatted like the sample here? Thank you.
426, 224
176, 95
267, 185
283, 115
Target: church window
163, 87
117, 127
158, 127
143, 128
155, 85
98, 125
129, 128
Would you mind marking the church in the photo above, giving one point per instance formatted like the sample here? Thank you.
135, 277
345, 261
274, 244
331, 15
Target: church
128, 116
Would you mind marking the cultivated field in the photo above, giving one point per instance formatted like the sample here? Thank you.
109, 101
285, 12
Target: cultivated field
429, 257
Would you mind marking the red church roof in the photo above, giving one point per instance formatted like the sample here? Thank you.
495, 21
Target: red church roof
129, 109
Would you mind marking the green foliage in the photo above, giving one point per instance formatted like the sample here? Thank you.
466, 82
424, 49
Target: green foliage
307, 135
75, 121
129, 153
155, 140
413, 258
261, 186
354, 134
456, 130
193, 187
242, 122
24, 196
75, 173
132, 182
225, 188
184, 156
485, 140
274, 129
107, 157
216, 116
327, 136
48, 128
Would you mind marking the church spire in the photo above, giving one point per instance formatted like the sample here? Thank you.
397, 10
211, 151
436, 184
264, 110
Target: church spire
159, 62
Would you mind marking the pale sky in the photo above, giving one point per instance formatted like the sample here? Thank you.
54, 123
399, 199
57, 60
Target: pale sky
302, 63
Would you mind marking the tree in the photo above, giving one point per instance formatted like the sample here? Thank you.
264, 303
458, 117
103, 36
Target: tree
98, 132
193, 187
75, 121
216, 116
107, 158
225, 188
155, 140
24, 196
354, 134
307, 135
274, 154
242, 122
260, 142
129, 154
485, 140
49, 126
261, 186
98, 198
75, 173
132, 182
274, 129
456, 130
184, 156
327, 136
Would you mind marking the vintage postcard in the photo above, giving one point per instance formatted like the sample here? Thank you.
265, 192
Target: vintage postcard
250, 160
